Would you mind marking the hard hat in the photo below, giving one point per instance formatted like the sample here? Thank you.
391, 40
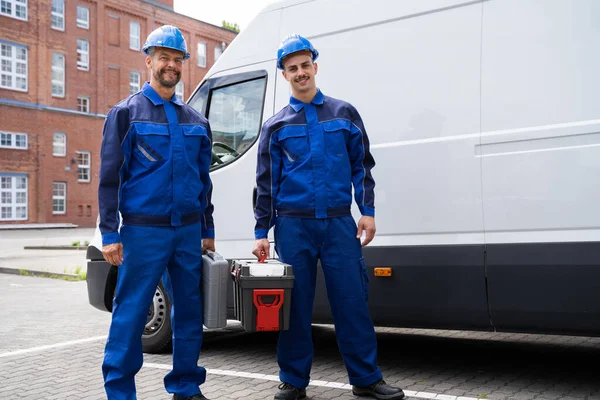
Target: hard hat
167, 36
293, 44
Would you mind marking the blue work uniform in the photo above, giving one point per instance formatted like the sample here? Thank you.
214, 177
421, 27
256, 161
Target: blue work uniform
310, 156
154, 172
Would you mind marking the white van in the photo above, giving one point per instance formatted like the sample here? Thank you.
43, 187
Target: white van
484, 122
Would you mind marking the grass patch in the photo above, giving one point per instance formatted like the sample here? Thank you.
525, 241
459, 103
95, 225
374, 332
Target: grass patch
78, 276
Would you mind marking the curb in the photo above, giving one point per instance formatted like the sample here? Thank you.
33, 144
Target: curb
55, 247
39, 274
11, 227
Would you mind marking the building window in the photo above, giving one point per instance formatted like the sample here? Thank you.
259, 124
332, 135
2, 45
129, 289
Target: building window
13, 197
201, 54
13, 140
179, 90
58, 74
14, 8
83, 104
83, 166
58, 14
218, 52
13, 70
134, 82
83, 17
59, 197
83, 54
134, 35
59, 144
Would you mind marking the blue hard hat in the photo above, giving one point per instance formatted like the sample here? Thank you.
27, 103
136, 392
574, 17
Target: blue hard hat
167, 36
293, 44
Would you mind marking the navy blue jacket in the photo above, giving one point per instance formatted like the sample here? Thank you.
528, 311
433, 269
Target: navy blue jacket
155, 161
309, 156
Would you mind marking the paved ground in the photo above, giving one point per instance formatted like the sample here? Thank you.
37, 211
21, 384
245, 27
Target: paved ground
51, 344
13, 255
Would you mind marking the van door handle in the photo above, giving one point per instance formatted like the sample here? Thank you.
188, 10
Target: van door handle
254, 196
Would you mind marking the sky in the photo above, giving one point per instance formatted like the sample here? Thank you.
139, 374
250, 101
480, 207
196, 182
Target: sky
215, 11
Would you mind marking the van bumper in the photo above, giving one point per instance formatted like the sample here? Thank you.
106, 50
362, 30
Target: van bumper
101, 280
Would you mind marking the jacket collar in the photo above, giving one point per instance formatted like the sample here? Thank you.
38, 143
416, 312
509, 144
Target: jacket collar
297, 105
154, 97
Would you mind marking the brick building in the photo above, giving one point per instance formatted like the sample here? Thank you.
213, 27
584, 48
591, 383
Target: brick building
64, 64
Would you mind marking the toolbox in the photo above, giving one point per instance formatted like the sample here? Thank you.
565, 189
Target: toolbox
215, 278
262, 294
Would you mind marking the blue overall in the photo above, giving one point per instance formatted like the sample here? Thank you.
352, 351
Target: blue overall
309, 158
155, 175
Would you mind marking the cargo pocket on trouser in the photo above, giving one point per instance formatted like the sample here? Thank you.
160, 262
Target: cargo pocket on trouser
364, 274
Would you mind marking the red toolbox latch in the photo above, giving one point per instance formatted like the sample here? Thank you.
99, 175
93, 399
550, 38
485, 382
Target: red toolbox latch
267, 314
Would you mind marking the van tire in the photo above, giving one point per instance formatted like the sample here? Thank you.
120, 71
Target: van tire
157, 335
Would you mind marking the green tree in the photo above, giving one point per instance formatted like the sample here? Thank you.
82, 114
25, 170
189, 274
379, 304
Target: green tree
230, 26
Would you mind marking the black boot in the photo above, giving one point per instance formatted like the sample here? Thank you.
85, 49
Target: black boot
289, 392
198, 396
380, 390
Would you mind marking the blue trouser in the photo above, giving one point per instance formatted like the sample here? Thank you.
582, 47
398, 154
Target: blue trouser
147, 252
300, 242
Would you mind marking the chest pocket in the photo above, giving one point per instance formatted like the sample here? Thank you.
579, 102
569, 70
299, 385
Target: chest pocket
194, 135
336, 135
151, 145
294, 142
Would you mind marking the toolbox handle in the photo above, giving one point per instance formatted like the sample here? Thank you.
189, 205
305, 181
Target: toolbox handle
214, 255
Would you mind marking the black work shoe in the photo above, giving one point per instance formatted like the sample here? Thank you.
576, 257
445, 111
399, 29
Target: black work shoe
198, 396
379, 390
289, 392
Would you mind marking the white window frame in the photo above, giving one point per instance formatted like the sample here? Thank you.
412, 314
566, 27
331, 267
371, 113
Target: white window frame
134, 86
82, 167
134, 38
59, 144
219, 50
13, 66
13, 138
58, 69
201, 55
14, 5
83, 54
59, 198
14, 192
59, 15
179, 90
83, 23
83, 104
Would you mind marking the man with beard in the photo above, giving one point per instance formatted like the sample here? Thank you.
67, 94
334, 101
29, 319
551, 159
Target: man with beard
310, 154
154, 174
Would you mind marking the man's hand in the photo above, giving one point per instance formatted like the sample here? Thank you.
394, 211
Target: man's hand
366, 224
113, 253
261, 248
208, 244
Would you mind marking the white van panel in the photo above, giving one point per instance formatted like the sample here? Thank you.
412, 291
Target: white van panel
319, 18
540, 146
257, 43
420, 109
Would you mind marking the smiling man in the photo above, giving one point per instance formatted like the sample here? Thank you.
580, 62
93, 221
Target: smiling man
310, 155
154, 173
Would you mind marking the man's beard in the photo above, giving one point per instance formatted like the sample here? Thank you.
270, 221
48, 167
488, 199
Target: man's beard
167, 83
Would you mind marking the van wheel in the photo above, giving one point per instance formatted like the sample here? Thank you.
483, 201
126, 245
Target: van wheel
157, 332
